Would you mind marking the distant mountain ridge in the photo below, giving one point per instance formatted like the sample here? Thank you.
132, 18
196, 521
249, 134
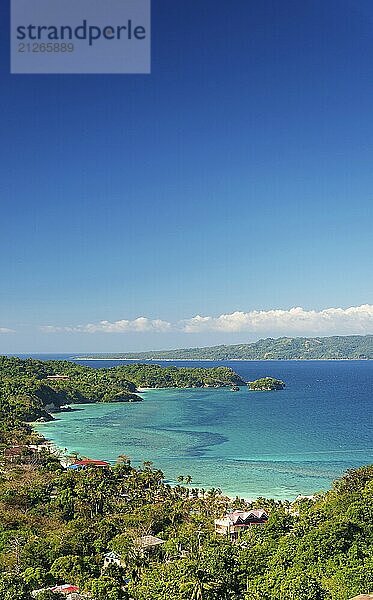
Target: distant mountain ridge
346, 347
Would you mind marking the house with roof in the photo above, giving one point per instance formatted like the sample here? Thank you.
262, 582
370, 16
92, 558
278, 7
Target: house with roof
88, 462
70, 591
238, 521
14, 453
148, 543
18, 454
363, 597
112, 558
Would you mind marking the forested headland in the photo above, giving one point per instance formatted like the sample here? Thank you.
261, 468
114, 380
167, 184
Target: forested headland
341, 347
31, 389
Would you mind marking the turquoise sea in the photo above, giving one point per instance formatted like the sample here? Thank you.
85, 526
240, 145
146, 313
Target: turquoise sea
276, 444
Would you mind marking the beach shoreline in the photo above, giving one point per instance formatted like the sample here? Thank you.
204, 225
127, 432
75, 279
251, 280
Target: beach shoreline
199, 431
64, 456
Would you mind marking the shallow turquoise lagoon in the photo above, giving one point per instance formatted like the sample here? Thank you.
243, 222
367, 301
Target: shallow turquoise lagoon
277, 444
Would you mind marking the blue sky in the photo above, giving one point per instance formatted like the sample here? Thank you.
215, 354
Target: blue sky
236, 177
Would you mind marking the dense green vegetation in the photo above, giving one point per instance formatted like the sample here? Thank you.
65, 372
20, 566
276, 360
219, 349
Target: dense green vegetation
284, 348
159, 377
27, 393
56, 526
266, 384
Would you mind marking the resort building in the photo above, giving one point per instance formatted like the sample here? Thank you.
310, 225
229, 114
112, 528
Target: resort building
238, 521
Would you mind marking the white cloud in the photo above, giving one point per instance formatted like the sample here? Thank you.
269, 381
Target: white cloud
295, 321
6, 330
356, 319
141, 324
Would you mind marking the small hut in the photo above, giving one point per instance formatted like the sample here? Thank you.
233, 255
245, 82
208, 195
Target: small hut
112, 558
148, 543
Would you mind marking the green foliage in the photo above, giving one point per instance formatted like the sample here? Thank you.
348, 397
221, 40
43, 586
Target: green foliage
284, 348
354, 479
56, 525
324, 551
12, 586
26, 393
68, 567
266, 384
108, 588
156, 376
49, 595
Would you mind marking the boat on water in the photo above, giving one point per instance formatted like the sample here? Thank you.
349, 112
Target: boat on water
235, 388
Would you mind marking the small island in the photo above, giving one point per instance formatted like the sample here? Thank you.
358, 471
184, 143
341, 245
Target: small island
266, 384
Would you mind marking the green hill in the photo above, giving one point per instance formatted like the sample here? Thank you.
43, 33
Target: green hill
284, 348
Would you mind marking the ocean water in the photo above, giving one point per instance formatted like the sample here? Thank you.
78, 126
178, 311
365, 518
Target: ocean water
275, 444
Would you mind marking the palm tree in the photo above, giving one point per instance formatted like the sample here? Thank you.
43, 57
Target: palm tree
198, 585
147, 465
123, 459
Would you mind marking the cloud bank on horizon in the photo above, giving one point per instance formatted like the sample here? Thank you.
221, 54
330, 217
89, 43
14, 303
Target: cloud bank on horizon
141, 324
296, 321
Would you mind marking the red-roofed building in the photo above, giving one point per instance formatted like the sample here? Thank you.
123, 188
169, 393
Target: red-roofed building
91, 463
70, 591
67, 588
